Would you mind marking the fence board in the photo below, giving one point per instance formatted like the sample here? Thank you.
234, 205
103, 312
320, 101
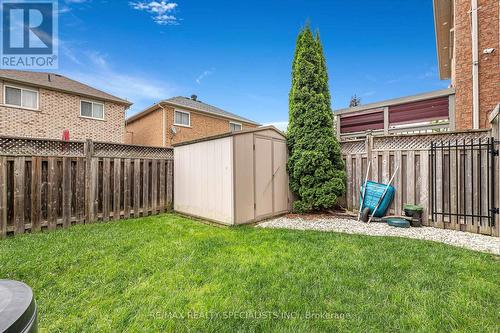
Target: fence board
93, 199
3, 197
475, 191
137, 186
398, 182
375, 172
359, 181
80, 190
468, 191
348, 164
424, 186
67, 192
162, 186
454, 223
385, 167
484, 228
145, 188
52, 194
154, 186
410, 175
36, 193
106, 177
170, 184
116, 188
439, 188
19, 170
126, 188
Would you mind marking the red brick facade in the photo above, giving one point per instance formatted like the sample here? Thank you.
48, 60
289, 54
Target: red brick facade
489, 64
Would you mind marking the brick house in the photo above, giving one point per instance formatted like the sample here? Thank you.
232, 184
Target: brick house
181, 119
467, 39
43, 105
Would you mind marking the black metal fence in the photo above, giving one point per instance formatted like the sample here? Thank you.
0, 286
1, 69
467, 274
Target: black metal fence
463, 183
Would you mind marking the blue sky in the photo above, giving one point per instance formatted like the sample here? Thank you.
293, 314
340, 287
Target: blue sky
237, 54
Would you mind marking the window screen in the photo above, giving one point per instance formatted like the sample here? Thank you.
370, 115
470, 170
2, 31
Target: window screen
86, 109
234, 127
182, 118
13, 96
92, 110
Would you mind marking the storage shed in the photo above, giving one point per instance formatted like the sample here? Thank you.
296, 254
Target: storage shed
233, 178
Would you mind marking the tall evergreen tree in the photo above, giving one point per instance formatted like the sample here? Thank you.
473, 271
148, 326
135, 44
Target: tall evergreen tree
315, 165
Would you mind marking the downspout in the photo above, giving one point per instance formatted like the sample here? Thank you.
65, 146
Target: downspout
475, 66
163, 125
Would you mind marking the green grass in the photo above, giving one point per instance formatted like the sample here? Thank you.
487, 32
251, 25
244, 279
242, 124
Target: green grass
170, 273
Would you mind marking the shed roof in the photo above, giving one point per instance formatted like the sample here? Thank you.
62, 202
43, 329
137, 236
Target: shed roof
228, 134
57, 82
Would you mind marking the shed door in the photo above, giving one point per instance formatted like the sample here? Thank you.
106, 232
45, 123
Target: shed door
280, 177
263, 177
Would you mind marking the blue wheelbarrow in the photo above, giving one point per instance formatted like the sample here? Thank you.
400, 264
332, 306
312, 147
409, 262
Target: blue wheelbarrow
375, 198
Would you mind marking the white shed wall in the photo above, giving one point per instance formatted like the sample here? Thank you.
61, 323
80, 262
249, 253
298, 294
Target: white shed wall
203, 180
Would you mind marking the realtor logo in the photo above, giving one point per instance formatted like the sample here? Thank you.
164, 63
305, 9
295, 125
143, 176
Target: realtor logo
29, 34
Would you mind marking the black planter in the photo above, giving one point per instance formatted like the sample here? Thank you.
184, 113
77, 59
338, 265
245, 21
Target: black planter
18, 310
415, 212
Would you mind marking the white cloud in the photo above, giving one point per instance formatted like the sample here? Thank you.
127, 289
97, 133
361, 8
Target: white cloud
161, 11
281, 125
94, 69
204, 75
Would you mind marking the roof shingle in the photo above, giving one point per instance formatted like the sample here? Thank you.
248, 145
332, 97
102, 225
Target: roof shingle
57, 82
203, 107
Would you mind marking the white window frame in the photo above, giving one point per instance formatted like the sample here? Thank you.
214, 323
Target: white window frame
185, 112
235, 123
92, 102
5, 86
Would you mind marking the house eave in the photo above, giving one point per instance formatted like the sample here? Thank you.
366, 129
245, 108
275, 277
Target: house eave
442, 26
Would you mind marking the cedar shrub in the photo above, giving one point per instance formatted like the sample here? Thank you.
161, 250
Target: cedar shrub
315, 165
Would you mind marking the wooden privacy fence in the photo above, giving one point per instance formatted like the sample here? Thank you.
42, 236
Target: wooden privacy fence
49, 183
414, 179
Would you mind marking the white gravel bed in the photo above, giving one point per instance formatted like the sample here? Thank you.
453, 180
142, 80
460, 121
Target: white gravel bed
467, 240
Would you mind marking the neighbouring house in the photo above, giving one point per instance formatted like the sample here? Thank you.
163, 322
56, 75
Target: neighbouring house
467, 38
44, 105
180, 119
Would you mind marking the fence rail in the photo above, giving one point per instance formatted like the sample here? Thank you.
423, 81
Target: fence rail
45, 184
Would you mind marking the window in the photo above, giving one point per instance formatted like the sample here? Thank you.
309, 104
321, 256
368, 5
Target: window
92, 110
233, 127
182, 118
21, 97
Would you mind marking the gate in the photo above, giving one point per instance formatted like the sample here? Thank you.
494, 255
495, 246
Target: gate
463, 184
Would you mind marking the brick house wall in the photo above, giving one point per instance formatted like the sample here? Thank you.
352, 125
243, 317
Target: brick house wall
59, 111
148, 129
489, 64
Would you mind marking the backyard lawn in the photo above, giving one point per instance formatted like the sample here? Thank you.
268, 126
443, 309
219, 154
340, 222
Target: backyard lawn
170, 273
